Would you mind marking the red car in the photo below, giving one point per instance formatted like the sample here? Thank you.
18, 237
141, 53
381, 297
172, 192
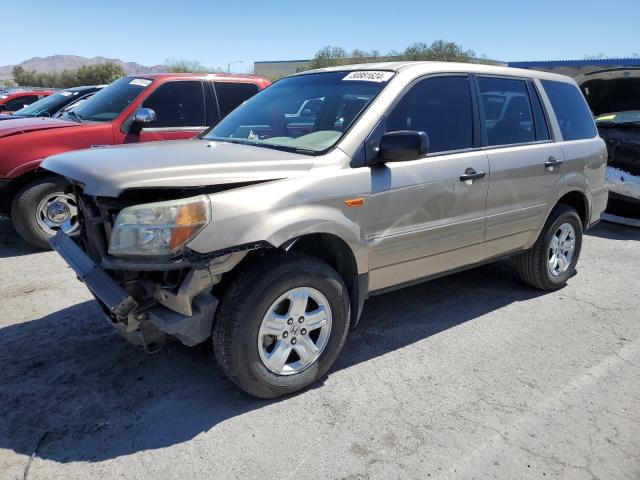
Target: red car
14, 101
130, 110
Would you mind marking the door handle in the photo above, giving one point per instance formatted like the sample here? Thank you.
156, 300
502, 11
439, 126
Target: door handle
470, 175
552, 162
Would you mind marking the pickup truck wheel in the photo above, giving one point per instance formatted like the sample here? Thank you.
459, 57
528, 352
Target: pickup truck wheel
41, 208
552, 259
281, 325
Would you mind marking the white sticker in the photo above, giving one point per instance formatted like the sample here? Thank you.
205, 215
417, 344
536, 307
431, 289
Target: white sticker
369, 76
142, 82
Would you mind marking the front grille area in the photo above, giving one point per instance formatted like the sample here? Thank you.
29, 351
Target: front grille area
96, 223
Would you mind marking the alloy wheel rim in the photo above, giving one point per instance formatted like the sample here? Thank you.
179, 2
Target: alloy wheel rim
294, 331
58, 211
561, 249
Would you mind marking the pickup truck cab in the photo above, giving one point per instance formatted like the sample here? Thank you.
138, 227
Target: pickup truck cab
130, 110
14, 101
267, 238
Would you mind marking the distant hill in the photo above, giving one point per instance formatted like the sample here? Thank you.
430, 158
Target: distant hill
72, 62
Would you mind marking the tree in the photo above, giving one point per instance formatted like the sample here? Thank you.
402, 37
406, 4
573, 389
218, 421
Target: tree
440, 51
328, 57
99, 74
87, 75
181, 65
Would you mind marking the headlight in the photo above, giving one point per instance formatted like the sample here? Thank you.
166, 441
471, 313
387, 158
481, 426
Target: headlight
160, 228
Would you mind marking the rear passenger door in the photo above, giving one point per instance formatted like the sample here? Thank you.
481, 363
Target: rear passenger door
180, 111
231, 94
424, 216
525, 163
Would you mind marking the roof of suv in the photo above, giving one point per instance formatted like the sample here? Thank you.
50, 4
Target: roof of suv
441, 67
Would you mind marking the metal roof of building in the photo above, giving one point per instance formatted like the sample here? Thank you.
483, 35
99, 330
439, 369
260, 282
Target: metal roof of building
628, 62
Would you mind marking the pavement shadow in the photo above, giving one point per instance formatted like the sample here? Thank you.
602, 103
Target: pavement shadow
614, 231
11, 245
67, 375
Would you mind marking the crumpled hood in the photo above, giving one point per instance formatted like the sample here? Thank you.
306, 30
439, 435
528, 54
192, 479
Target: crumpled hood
21, 125
109, 171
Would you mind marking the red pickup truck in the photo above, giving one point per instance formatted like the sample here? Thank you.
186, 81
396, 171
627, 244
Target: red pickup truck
14, 101
130, 110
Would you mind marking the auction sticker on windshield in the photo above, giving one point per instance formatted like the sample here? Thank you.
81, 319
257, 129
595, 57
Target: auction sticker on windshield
143, 82
369, 76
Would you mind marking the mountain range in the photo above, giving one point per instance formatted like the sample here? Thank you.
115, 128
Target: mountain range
72, 62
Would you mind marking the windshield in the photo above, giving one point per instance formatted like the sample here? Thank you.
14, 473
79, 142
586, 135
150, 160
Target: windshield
109, 102
619, 118
48, 105
307, 113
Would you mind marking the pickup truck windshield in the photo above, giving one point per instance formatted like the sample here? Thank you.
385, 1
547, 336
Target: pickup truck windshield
46, 106
109, 102
305, 113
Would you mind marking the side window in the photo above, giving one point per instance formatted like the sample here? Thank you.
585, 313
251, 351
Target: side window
441, 107
177, 104
572, 112
507, 111
230, 95
20, 102
542, 128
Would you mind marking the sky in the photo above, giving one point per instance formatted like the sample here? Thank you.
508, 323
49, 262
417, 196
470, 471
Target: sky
216, 33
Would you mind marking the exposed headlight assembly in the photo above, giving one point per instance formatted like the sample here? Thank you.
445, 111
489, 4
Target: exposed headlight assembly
159, 229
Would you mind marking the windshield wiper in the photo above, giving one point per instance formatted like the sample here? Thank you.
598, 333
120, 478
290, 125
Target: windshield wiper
73, 114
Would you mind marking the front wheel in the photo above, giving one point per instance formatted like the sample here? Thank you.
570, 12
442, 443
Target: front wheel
41, 208
553, 258
281, 325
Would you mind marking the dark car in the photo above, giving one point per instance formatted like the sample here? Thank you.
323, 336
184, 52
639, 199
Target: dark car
51, 105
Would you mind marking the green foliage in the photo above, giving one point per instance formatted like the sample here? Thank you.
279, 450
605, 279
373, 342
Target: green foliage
88, 75
181, 65
438, 51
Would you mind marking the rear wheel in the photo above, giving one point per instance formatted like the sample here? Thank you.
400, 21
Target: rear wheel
553, 258
41, 208
281, 325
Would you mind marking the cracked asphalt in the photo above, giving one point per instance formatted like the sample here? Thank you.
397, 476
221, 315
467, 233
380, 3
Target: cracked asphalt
468, 376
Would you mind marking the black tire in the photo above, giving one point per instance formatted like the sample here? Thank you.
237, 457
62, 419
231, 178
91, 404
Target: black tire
247, 299
533, 265
25, 205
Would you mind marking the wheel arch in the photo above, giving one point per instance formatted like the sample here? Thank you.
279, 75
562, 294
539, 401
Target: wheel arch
577, 200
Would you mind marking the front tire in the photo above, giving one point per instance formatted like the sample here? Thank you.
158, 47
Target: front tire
41, 208
553, 258
281, 324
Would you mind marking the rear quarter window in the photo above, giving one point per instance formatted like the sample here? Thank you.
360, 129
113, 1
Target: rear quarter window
571, 109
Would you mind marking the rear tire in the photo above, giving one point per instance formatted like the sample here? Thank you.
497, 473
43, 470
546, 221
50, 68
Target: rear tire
27, 210
252, 319
551, 261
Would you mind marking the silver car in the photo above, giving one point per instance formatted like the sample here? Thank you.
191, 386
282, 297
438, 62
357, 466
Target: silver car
267, 233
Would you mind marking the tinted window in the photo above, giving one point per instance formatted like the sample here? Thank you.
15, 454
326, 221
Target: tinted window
439, 106
507, 111
540, 120
571, 110
177, 104
230, 95
20, 102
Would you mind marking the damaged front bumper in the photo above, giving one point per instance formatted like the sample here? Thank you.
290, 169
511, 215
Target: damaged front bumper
185, 311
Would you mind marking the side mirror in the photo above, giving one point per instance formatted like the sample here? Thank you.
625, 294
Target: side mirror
402, 146
145, 115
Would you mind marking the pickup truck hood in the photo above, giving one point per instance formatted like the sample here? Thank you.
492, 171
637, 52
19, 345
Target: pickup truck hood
21, 125
109, 171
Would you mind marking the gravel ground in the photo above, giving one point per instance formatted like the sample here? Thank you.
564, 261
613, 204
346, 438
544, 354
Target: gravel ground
469, 376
